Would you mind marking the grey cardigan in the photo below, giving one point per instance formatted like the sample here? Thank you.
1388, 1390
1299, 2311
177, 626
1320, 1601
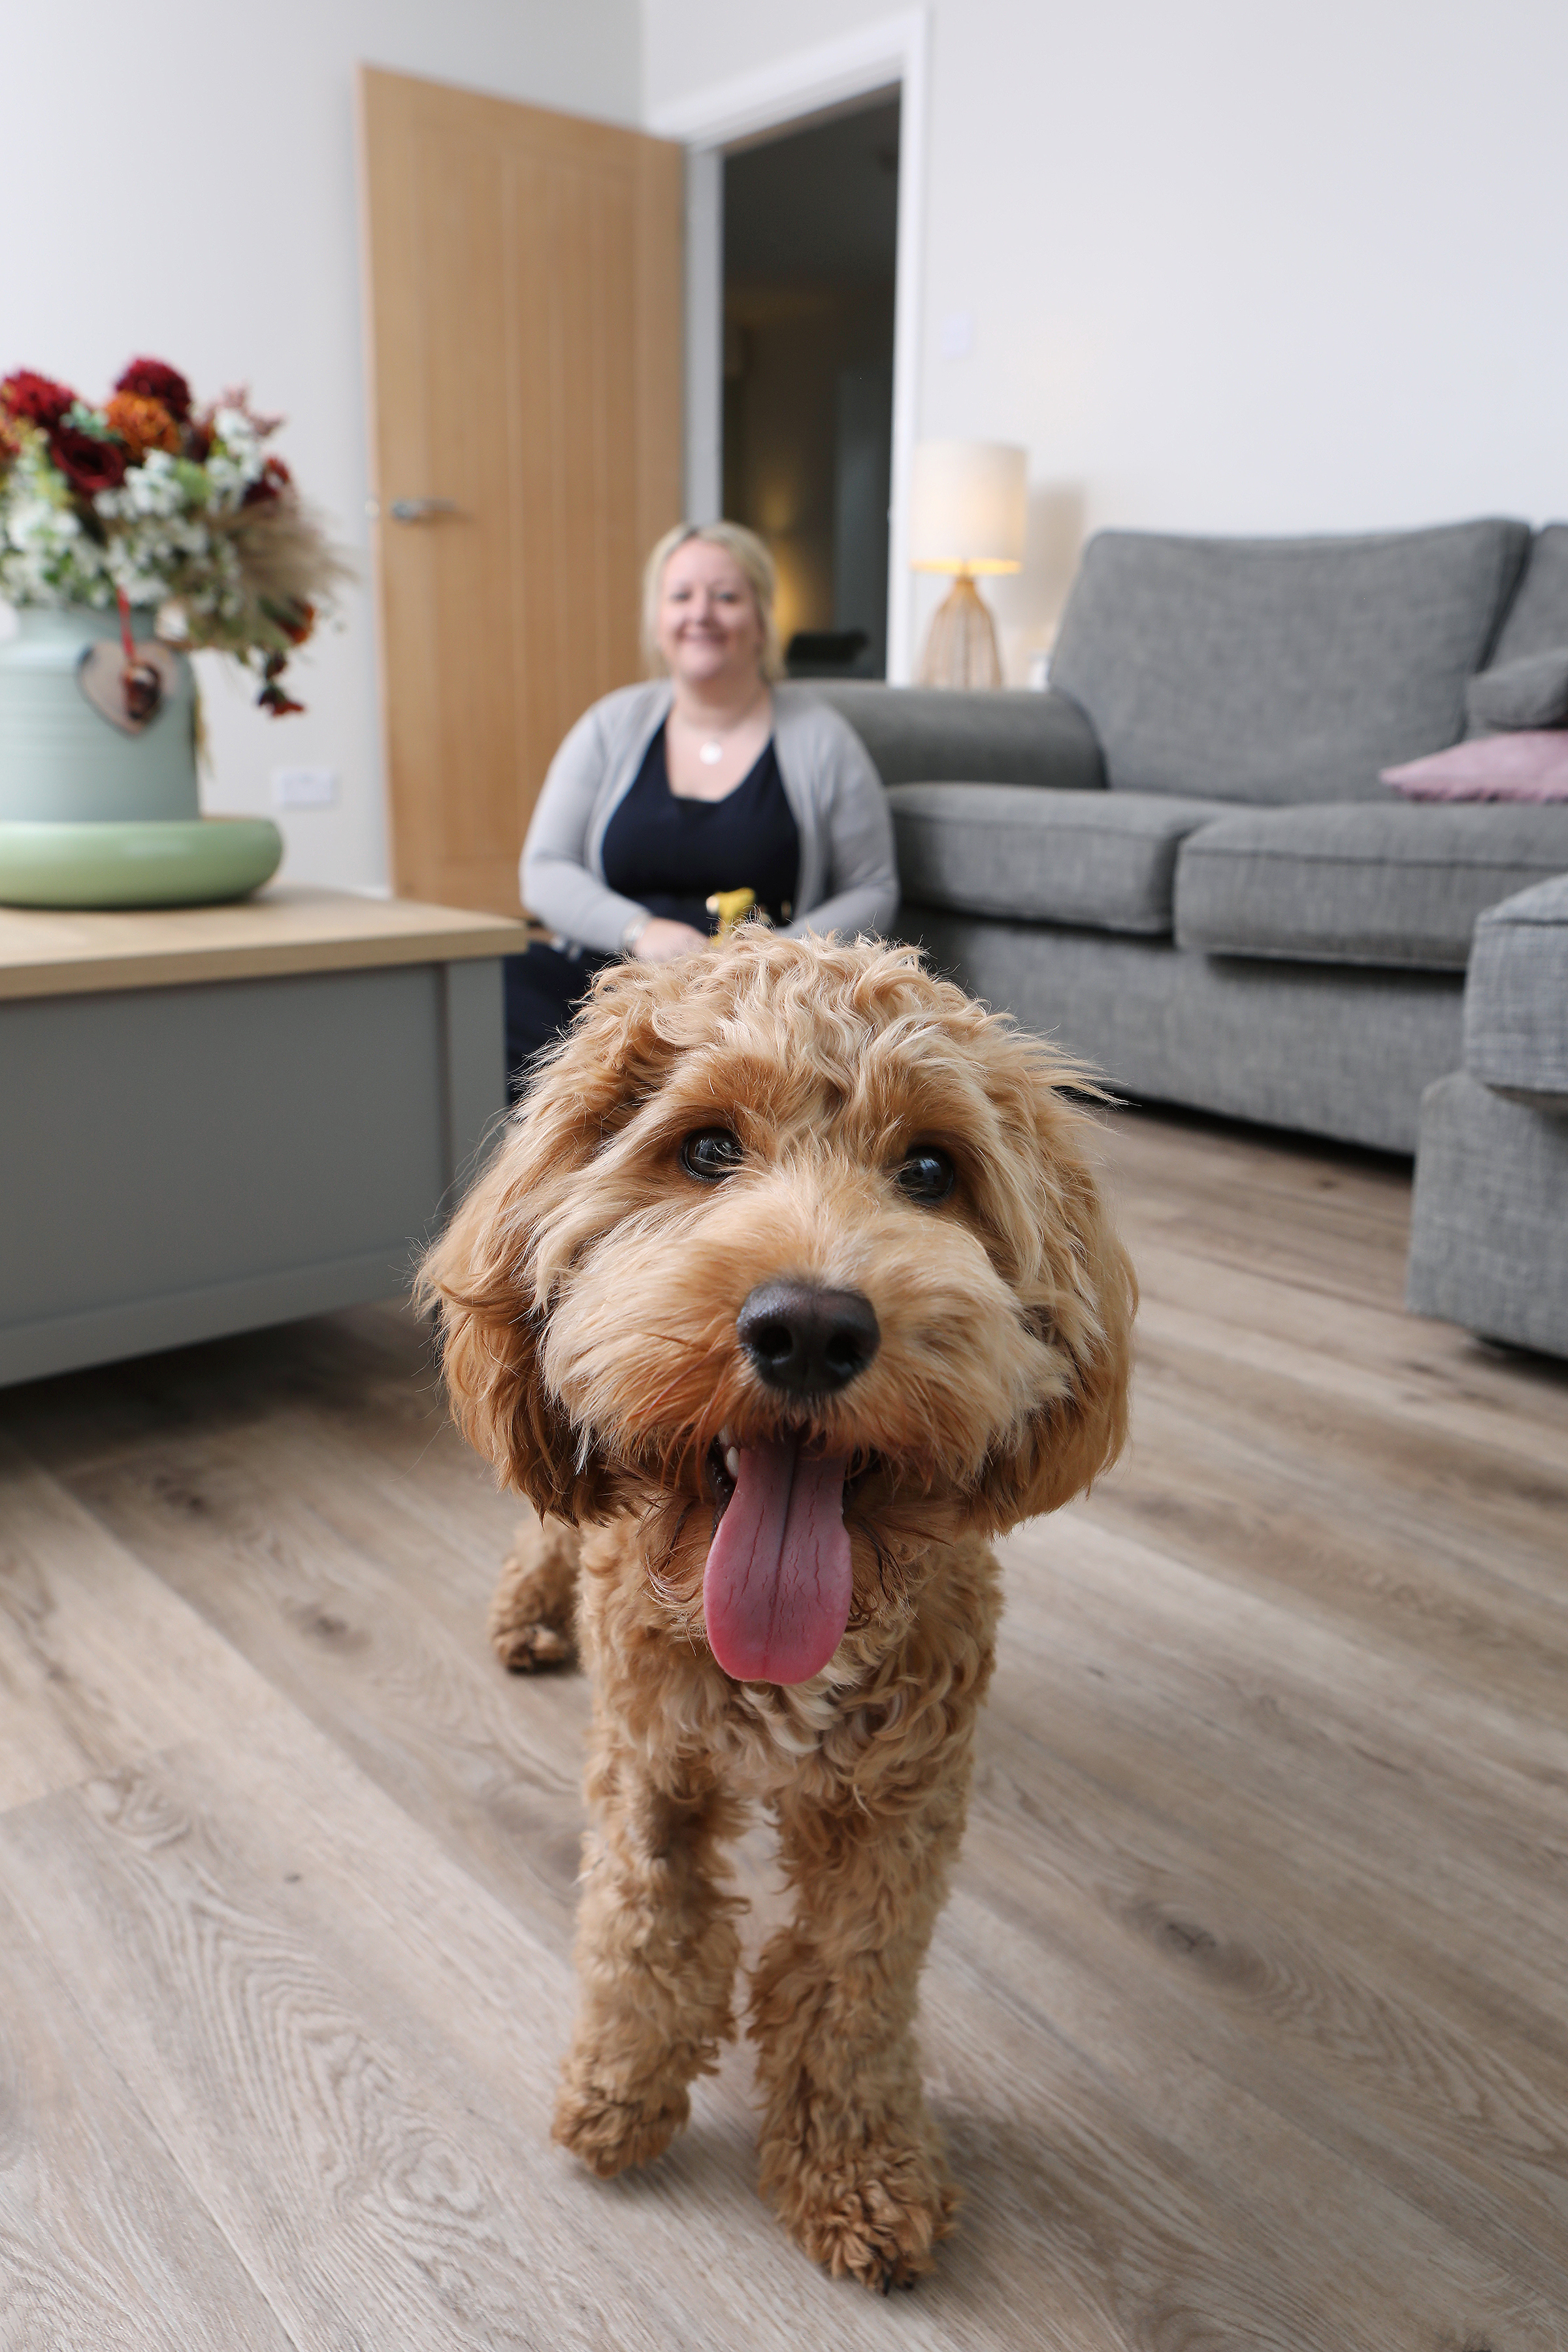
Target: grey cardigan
849, 881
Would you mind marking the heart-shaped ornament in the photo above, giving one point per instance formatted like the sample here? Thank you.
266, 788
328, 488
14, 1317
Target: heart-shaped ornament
129, 694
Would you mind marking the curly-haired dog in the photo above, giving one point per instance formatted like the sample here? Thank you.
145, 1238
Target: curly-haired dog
790, 1288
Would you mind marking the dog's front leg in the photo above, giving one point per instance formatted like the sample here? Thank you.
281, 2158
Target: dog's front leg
657, 1951
849, 2154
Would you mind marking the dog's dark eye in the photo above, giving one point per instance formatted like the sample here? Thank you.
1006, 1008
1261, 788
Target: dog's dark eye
710, 1153
926, 1175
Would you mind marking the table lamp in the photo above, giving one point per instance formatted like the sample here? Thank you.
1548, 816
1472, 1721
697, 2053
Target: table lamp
968, 501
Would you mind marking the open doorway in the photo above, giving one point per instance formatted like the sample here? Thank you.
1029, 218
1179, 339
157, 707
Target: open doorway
810, 241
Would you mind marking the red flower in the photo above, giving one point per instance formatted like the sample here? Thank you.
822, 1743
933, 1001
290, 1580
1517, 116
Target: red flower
153, 379
274, 480
295, 618
275, 699
35, 397
88, 464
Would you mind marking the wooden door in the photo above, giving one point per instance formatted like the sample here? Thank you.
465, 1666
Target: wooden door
524, 287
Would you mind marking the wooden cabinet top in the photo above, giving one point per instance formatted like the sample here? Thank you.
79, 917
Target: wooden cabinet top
48, 952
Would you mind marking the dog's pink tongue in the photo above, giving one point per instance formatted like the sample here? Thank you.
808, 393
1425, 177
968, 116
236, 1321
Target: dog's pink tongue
777, 1590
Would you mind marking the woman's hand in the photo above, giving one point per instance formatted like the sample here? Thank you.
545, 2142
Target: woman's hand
659, 941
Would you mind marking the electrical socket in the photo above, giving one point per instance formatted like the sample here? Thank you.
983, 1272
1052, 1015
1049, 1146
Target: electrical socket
302, 788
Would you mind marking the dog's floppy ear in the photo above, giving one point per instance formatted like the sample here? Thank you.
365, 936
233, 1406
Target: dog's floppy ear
1079, 1294
483, 1274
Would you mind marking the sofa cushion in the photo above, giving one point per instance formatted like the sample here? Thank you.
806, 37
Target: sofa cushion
1531, 691
1281, 670
1516, 997
1391, 884
1536, 621
1328, 1047
914, 733
1103, 860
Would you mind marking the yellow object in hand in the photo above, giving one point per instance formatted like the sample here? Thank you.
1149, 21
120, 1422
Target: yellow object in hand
731, 907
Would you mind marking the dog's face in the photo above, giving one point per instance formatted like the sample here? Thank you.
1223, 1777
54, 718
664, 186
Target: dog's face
798, 1250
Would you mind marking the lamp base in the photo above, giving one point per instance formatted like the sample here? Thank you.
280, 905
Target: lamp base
961, 643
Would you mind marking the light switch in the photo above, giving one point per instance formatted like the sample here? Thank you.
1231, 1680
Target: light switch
957, 334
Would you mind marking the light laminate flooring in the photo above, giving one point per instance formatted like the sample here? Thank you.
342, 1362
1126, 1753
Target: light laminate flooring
1247, 2022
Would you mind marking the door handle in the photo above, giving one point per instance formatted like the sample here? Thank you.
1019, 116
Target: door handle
421, 510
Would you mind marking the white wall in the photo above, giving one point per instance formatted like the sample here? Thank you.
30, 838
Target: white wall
1231, 267
182, 184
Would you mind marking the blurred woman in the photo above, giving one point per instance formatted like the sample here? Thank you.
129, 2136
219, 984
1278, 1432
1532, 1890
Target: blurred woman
673, 807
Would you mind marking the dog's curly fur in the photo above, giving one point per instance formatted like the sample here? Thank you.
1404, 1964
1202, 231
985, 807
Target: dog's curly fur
588, 1291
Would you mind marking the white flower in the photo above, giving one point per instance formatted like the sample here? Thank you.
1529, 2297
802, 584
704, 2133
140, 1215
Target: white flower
33, 522
153, 488
238, 435
228, 482
236, 459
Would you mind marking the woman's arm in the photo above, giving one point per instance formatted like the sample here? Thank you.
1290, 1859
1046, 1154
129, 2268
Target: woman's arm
862, 878
557, 886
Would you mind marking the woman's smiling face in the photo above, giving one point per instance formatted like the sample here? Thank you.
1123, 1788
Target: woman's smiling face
708, 626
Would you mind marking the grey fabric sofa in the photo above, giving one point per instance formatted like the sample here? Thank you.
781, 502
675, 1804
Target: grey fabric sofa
1488, 1236
1180, 862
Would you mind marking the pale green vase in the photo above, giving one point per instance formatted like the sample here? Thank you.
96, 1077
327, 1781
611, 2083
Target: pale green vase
60, 761
90, 816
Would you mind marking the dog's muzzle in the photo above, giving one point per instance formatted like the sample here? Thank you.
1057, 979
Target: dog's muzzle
807, 1341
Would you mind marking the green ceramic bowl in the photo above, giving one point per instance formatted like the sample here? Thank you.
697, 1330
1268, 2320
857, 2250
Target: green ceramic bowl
193, 862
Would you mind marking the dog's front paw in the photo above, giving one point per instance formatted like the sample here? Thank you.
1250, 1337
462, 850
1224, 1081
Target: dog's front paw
875, 2212
531, 1648
610, 2130
533, 1609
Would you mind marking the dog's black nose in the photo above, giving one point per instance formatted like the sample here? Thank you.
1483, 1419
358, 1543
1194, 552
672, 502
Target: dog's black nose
807, 1340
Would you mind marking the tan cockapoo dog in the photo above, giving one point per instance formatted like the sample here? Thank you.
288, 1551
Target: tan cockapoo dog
790, 1288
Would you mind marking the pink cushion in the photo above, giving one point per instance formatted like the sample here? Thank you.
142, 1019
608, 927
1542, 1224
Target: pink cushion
1530, 766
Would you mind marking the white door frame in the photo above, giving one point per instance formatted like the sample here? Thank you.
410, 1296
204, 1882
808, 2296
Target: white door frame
809, 81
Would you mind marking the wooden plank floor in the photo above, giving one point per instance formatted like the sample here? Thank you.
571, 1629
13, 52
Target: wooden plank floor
1247, 2022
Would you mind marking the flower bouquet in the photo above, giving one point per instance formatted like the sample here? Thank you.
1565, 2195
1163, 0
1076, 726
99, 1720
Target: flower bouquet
132, 533
147, 503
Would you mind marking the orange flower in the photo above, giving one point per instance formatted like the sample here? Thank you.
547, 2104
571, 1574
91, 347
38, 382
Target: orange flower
143, 425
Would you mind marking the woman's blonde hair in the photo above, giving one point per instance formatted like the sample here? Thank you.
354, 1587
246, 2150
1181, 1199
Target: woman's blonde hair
754, 560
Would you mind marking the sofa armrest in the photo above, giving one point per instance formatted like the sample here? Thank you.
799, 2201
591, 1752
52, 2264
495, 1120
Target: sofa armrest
1516, 996
920, 735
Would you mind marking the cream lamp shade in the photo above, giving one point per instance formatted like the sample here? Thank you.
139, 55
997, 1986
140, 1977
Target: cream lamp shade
968, 503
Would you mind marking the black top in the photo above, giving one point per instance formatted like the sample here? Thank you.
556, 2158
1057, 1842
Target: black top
672, 855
